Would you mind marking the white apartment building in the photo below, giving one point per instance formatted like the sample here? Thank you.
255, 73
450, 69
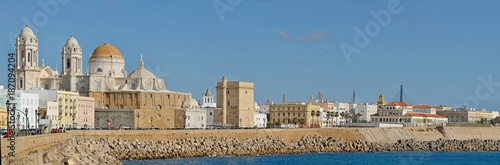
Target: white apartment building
260, 120
27, 107
365, 110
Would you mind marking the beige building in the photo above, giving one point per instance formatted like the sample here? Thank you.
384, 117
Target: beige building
402, 113
68, 109
236, 99
424, 109
299, 114
67, 106
3, 118
51, 110
86, 112
466, 116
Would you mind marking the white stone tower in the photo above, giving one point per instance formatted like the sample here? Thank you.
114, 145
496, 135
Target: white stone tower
208, 100
27, 71
71, 64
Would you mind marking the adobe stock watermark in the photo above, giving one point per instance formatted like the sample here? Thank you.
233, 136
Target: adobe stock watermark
50, 8
483, 91
372, 29
223, 6
158, 72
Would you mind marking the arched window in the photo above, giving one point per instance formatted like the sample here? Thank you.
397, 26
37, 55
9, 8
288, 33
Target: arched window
68, 63
21, 83
99, 70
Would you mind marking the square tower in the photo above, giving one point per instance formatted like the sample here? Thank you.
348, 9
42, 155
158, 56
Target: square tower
237, 102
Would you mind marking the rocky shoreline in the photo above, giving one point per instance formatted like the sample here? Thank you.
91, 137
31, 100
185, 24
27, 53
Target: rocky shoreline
102, 151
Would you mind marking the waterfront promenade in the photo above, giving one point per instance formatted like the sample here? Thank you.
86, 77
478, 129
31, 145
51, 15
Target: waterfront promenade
363, 136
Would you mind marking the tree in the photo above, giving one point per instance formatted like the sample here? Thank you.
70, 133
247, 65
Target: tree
302, 121
336, 114
328, 116
317, 117
312, 118
295, 120
357, 117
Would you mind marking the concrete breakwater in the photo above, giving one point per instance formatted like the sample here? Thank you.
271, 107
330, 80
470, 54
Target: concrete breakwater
102, 151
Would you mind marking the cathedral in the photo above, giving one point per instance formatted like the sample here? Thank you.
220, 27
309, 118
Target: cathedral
105, 79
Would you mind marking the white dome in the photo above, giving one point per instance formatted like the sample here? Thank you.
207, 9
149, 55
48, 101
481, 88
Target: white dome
27, 32
71, 41
190, 103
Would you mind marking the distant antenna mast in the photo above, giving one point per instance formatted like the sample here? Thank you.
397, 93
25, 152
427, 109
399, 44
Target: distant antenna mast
401, 94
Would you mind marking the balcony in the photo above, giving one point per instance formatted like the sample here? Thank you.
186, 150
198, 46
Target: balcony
60, 111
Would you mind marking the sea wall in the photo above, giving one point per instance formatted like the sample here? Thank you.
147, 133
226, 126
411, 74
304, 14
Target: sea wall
148, 144
290, 135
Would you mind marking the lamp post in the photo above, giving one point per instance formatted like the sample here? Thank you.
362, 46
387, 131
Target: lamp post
138, 120
18, 123
36, 121
26, 112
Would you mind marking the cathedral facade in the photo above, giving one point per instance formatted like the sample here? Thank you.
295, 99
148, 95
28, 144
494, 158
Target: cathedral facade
105, 79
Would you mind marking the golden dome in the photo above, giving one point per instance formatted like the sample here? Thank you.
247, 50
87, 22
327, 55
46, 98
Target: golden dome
106, 51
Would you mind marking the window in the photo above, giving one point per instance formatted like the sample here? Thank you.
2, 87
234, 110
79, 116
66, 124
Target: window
210, 113
99, 70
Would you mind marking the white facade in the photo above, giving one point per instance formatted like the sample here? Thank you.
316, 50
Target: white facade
195, 115
340, 108
26, 102
495, 114
260, 120
366, 110
208, 100
52, 111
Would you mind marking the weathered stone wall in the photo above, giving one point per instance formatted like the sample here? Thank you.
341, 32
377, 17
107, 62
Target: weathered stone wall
116, 117
26, 144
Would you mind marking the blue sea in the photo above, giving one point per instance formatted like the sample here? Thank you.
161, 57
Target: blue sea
383, 158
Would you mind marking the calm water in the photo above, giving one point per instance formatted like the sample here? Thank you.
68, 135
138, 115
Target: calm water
385, 158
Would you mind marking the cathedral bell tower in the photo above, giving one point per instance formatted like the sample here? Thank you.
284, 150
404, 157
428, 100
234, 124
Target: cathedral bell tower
71, 64
26, 59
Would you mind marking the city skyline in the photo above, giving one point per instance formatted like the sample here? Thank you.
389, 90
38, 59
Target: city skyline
442, 54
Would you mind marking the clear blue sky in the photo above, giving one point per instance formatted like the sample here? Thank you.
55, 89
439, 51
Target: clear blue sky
437, 49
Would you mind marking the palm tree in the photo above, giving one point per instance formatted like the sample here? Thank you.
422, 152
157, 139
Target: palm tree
357, 117
342, 115
336, 114
294, 121
312, 118
302, 121
317, 117
328, 116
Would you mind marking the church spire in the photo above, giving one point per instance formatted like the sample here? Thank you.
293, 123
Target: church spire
141, 63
